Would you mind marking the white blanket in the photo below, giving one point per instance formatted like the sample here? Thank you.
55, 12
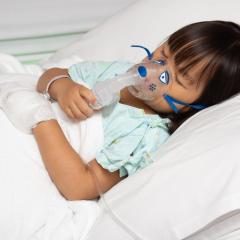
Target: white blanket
31, 206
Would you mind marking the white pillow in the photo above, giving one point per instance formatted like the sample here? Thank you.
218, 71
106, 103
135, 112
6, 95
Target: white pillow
196, 178
194, 182
146, 22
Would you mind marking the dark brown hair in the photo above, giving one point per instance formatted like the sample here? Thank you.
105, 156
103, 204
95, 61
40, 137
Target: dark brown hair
219, 43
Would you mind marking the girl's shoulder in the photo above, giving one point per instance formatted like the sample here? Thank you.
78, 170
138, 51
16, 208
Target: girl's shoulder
120, 119
131, 138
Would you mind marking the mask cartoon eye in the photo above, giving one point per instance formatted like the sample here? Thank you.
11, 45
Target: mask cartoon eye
164, 77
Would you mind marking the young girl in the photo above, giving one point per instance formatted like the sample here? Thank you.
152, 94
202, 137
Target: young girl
199, 66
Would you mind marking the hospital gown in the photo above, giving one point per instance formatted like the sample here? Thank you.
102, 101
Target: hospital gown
131, 137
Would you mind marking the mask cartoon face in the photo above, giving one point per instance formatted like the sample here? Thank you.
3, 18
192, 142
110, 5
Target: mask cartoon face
155, 80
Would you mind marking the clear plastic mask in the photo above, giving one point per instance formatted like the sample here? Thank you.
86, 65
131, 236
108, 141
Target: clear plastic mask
155, 80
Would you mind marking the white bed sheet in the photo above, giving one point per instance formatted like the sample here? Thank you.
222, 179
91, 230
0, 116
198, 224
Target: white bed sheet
235, 234
31, 206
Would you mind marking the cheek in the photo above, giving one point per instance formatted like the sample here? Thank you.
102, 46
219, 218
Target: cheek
186, 95
159, 105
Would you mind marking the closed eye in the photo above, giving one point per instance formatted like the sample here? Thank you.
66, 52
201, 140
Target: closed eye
180, 83
177, 80
164, 54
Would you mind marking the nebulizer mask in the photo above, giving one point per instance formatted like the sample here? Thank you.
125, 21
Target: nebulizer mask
148, 80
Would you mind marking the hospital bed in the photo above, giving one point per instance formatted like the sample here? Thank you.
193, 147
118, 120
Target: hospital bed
169, 200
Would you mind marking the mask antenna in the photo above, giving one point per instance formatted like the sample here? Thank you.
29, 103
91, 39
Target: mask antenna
149, 54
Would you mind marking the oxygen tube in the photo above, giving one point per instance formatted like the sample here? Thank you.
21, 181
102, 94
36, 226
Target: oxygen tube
113, 215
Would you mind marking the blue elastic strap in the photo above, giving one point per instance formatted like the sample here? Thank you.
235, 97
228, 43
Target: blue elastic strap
149, 54
171, 101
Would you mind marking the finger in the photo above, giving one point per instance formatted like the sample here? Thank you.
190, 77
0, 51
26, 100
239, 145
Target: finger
79, 115
69, 113
83, 106
87, 94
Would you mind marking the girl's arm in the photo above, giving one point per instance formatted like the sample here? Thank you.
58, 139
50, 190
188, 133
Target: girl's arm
66, 168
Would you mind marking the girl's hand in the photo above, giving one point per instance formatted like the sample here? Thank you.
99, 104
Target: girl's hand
74, 99
24, 106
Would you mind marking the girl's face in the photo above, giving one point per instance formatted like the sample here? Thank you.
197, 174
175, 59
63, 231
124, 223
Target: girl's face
183, 88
